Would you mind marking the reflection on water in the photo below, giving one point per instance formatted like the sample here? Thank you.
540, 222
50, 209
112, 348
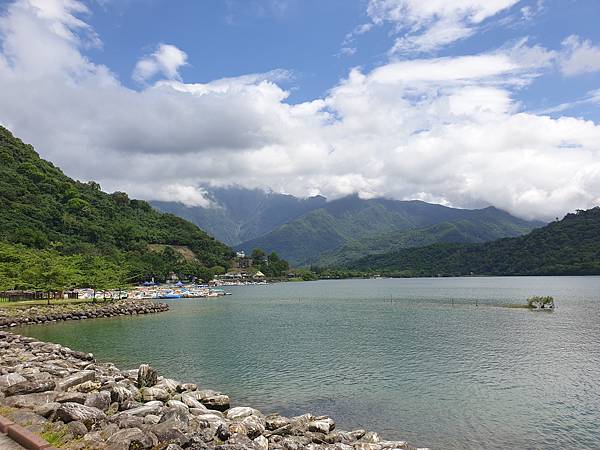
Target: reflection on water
411, 358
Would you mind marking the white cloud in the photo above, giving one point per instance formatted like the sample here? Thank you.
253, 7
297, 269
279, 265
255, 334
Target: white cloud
429, 25
443, 129
166, 61
579, 56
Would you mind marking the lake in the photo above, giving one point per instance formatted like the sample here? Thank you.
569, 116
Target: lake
413, 359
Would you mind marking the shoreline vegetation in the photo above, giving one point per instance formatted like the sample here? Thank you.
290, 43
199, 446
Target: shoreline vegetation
75, 402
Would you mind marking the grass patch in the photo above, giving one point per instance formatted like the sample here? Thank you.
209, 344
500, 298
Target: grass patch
55, 435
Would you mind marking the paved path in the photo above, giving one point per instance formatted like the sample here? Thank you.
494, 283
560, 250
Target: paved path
7, 443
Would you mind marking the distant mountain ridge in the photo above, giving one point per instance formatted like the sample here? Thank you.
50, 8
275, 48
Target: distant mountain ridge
313, 230
240, 214
345, 229
570, 246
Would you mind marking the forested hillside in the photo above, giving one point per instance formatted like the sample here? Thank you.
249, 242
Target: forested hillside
43, 210
349, 228
567, 247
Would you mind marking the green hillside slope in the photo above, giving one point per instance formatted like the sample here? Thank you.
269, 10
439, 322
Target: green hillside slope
569, 246
43, 209
346, 229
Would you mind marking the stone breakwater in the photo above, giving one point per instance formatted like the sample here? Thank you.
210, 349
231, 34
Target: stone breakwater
76, 402
12, 317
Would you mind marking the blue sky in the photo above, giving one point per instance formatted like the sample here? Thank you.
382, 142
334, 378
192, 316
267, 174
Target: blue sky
231, 38
465, 103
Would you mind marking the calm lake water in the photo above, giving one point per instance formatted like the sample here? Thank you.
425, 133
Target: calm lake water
393, 356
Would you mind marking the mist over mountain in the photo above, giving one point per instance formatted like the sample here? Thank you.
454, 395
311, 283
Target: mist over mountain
238, 214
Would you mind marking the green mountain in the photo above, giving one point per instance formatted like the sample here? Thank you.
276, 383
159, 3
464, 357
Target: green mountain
567, 247
239, 214
346, 229
43, 210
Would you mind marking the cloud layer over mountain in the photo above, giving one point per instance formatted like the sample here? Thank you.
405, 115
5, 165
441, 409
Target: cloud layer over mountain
443, 129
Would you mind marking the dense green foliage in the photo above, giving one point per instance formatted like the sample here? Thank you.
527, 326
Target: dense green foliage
237, 214
567, 247
43, 209
270, 265
349, 228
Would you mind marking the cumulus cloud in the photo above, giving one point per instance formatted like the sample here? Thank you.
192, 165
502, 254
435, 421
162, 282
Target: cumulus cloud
441, 129
579, 56
165, 61
429, 25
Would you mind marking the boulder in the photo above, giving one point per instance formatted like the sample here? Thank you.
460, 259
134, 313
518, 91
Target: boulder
69, 412
47, 409
171, 432
146, 376
87, 386
219, 402
29, 387
149, 408
276, 421
322, 425
76, 379
179, 414
131, 438
255, 426
77, 429
191, 402
73, 397
261, 443
100, 400
10, 379
119, 393
240, 412
154, 393
185, 387
31, 401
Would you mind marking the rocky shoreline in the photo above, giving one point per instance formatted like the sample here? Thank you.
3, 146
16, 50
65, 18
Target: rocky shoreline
76, 402
39, 314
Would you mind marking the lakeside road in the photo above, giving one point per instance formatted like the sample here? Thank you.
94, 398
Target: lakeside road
76, 402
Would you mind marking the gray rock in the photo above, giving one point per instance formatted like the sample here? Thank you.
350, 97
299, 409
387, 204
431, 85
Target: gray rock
370, 437
47, 409
240, 412
131, 438
154, 393
149, 408
10, 379
171, 432
179, 414
69, 412
73, 397
366, 446
147, 376
100, 400
322, 425
31, 401
276, 421
151, 419
217, 401
77, 429
185, 387
29, 387
126, 421
119, 393
255, 426
191, 402
261, 443
76, 379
